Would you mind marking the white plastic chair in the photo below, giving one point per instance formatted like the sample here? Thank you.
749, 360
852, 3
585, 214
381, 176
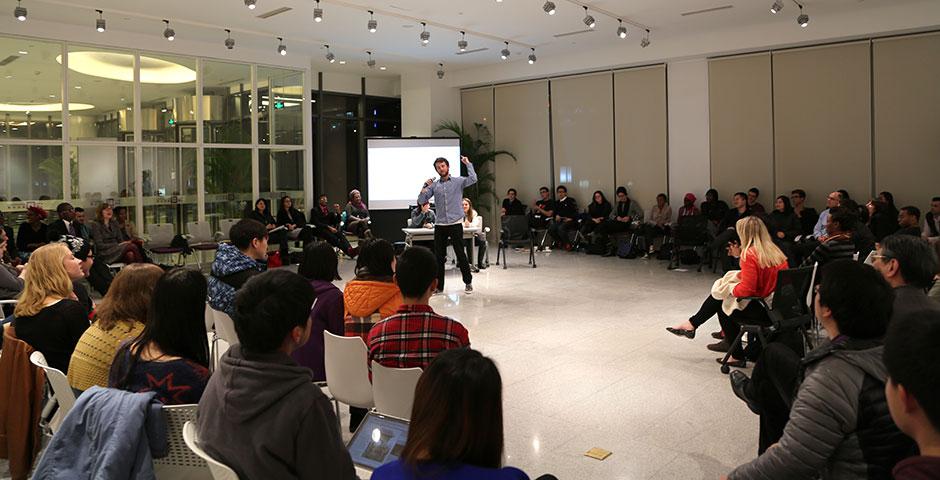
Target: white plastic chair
347, 370
219, 470
394, 389
225, 327
160, 237
62, 392
201, 239
181, 462
224, 226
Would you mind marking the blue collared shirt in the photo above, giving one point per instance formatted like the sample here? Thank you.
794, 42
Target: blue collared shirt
820, 229
448, 196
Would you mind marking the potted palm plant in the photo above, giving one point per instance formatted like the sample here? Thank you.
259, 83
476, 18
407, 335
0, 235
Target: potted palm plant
476, 145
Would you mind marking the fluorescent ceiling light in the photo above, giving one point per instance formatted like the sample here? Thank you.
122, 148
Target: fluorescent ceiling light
42, 107
120, 66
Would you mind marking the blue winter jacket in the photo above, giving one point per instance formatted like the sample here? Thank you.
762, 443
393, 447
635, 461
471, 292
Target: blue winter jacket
230, 270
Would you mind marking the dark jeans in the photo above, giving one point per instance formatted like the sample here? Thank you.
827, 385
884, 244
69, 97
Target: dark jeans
450, 235
650, 232
559, 229
773, 387
589, 227
337, 239
608, 227
481, 250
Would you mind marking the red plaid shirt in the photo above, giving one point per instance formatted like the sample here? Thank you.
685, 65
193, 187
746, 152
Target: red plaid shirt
413, 336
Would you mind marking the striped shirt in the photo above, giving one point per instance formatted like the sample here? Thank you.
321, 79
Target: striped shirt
832, 249
413, 336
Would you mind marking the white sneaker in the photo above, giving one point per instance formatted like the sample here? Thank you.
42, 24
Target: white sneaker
547, 250
468, 288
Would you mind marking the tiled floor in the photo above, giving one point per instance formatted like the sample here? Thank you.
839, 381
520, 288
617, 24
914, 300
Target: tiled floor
586, 362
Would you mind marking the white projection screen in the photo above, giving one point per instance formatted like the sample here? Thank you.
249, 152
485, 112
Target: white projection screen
397, 167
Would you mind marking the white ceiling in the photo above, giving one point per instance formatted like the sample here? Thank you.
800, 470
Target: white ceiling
396, 43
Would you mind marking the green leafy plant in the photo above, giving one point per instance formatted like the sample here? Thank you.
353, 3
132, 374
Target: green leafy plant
477, 146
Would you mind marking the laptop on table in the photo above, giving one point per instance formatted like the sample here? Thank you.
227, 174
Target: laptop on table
378, 440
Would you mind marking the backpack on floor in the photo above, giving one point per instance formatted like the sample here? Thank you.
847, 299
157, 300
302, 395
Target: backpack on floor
625, 248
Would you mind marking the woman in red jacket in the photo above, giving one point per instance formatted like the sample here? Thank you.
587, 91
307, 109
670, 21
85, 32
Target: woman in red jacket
760, 261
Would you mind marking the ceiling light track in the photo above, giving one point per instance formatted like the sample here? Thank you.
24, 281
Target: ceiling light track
608, 13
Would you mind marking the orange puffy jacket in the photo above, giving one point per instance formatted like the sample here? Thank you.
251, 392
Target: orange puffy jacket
366, 303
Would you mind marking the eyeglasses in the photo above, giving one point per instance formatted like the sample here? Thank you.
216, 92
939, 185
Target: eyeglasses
884, 258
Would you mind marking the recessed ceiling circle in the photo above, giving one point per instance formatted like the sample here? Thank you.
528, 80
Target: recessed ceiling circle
120, 66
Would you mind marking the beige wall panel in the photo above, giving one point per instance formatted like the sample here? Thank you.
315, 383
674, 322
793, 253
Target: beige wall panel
522, 128
822, 120
476, 106
741, 125
640, 132
907, 118
583, 134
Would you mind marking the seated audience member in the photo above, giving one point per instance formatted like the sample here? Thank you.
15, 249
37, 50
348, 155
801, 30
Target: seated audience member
688, 208
48, 317
760, 261
833, 201
543, 210
456, 429
236, 262
622, 217
128, 229
598, 210
807, 215
422, 216
888, 199
293, 220
472, 219
879, 222
261, 413
357, 216
753, 195
511, 204
65, 225
11, 278
320, 267
32, 233
415, 334
111, 245
98, 274
657, 224
171, 355
905, 263
82, 252
912, 358
120, 316
838, 242
784, 226
80, 224
862, 237
565, 219
329, 226
261, 215
369, 297
726, 231
11, 237
839, 423
909, 221
909, 265
713, 209
932, 221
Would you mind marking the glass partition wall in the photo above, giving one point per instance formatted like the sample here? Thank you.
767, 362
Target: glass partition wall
175, 139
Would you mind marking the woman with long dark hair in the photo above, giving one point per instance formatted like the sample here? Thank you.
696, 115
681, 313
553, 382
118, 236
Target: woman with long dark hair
456, 429
293, 220
171, 355
262, 214
598, 210
880, 221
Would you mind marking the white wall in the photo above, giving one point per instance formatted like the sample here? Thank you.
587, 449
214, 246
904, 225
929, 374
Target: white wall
687, 106
426, 101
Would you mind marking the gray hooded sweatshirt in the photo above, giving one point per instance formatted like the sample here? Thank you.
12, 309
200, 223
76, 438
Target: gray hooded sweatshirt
262, 416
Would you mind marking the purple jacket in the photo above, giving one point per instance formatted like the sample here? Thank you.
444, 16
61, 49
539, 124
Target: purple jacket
327, 315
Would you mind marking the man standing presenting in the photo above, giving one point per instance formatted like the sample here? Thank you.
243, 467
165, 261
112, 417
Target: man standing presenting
448, 197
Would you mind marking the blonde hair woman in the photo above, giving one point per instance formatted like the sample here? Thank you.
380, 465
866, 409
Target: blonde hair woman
120, 316
760, 261
473, 219
48, 317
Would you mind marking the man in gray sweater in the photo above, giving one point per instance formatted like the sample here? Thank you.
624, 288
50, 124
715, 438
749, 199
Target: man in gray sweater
839, 424
261, 414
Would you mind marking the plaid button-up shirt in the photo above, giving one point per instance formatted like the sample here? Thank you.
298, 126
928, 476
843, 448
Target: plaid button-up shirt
413, 336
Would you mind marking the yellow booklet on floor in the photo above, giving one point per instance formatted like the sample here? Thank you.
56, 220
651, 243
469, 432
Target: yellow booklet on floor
597, 453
